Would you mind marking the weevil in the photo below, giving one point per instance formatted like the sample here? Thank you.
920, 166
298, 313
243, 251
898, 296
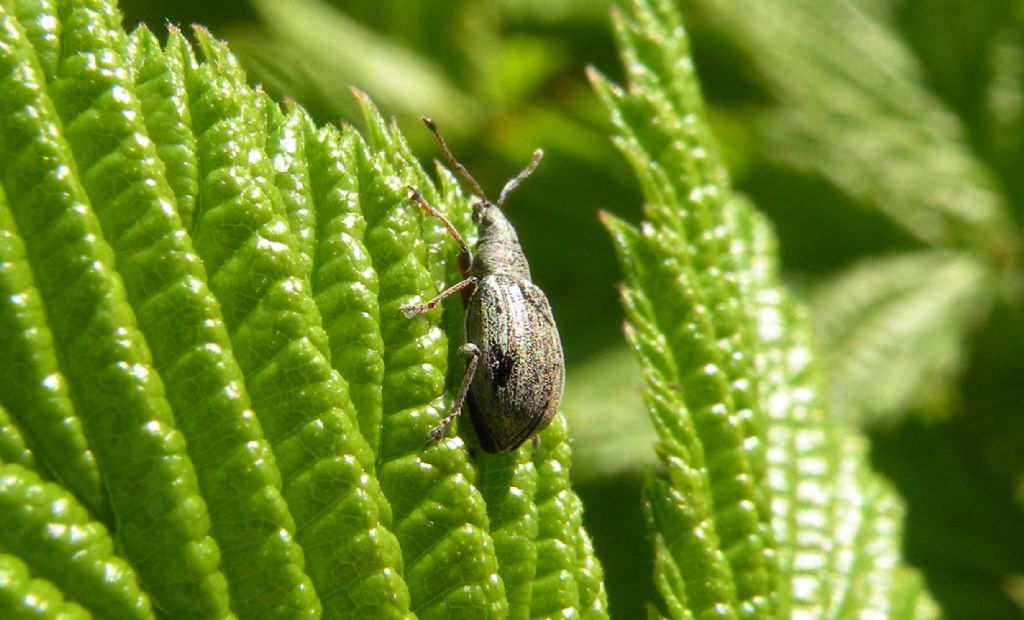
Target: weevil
515, 368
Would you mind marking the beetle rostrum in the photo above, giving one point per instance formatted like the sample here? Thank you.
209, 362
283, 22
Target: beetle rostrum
515, 369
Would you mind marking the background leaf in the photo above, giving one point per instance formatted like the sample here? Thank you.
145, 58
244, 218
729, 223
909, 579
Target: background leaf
834, 538
893, 329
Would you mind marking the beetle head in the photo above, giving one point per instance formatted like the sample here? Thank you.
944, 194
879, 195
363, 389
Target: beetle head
483, 213
497, 248
491, 222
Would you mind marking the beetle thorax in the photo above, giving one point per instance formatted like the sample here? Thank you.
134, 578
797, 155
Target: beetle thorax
497, 250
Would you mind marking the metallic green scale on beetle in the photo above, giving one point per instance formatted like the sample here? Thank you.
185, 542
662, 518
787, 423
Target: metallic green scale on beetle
515, 368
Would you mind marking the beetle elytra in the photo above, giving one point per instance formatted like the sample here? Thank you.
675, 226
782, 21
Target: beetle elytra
515, 368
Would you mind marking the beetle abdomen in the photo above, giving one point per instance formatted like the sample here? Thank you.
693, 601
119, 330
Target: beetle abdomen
521, 372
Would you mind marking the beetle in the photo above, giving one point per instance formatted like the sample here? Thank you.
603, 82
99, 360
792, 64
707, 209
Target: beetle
515, 368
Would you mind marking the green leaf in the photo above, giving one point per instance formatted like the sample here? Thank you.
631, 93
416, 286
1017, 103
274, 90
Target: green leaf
766, 508
234, 464
286, 149
202, 354
257, 272
35, 392
688, 547
44, 525
588, 571
893, 329
13, 448
508, 483
103, 356
159, 80
440, 518
344, 282
26, 597
568, 578
832, 512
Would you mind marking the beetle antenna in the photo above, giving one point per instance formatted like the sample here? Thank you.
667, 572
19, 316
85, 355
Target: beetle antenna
519, 178
451, 159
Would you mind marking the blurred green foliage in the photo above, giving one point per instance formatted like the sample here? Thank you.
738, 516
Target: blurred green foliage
879, 131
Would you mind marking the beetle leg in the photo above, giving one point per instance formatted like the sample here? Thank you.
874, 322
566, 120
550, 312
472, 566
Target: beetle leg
412, 310
535, 440
465, 258
471, 352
